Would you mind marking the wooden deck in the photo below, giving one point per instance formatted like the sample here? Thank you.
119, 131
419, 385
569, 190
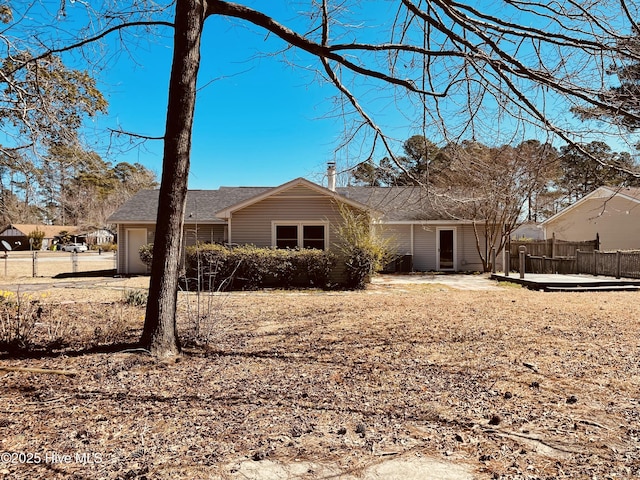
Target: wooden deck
569, 283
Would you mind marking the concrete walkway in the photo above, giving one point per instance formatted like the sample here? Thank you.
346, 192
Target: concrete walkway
405, 468
460, 281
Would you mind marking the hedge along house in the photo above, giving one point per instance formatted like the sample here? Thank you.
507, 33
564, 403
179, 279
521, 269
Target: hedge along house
303, 214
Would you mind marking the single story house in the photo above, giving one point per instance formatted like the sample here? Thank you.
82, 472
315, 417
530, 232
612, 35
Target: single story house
528, 231
611, 213
97, 236
301, 213
17, 235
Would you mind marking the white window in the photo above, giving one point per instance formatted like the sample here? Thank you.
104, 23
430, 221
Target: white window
300, 235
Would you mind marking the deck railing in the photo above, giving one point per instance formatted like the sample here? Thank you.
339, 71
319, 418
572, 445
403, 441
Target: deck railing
563, 265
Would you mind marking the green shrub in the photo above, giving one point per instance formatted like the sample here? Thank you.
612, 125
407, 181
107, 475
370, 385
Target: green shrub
362, 246
136, 298
35, 239
146, 254
216, 267
316, 264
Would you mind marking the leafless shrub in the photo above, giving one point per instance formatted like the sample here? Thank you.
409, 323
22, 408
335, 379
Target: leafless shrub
118, 323
57, 330
136, 298
19, 314
203, 312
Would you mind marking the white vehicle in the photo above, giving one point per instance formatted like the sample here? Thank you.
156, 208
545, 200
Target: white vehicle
74, 247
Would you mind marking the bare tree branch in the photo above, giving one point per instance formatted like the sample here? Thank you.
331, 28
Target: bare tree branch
86, 41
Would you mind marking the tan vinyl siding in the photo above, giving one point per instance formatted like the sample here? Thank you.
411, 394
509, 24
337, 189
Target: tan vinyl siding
253, 224
425, 254
300, 191
468, 257
398, 236
212, 233
424, 248
615, 219
122, 247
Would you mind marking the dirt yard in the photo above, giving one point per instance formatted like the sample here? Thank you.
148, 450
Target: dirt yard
512, 383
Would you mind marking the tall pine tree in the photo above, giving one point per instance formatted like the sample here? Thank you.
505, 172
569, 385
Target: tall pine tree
625, 97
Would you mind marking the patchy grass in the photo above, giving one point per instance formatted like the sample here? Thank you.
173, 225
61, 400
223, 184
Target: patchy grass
515, 383
509, 285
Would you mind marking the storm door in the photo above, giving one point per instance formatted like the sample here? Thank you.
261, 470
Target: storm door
446, 239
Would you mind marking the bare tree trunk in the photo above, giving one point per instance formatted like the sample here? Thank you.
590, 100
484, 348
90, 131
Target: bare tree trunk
160, 334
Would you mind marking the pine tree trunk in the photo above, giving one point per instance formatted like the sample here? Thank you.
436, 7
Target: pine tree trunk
160, 334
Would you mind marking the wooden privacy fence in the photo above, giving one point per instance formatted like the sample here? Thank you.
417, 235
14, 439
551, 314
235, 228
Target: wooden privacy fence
552, 248
613, 264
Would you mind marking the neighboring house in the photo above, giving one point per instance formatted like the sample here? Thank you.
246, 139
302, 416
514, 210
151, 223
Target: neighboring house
98, 236
302, 214
528, 231
17, 235
611, 213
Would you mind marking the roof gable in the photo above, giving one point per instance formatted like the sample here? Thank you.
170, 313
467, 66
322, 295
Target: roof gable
296, 187
600, 193
50, 231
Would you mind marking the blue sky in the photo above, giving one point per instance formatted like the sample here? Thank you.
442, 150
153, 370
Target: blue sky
259, 127
259, 121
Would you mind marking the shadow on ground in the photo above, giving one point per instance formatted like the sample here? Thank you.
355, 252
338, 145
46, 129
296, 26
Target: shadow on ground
91, 274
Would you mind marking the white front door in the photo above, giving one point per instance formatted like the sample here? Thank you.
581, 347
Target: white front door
135, 238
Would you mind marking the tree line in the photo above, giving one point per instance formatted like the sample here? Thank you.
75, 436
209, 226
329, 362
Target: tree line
497, 188
70, 186
533, 180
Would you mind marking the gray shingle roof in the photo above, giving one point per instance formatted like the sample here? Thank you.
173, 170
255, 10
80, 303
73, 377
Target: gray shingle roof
142, 207
201, 204
396, 203
403, 203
